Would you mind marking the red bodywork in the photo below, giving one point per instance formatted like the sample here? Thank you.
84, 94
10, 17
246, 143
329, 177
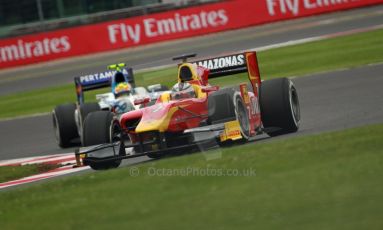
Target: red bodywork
175, 116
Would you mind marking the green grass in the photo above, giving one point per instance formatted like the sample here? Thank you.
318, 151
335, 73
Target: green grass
325, 181
8, 173
299, 60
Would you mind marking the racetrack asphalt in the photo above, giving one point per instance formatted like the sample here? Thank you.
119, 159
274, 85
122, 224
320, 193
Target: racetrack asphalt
329, 101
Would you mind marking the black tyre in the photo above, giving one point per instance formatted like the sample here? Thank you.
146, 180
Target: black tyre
279, 105
84, 110
64, 125
100, 127
221, 106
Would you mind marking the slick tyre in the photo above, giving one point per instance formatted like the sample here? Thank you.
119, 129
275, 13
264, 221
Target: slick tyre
100, 127
83, 112
279, 105
64, 125
221, 107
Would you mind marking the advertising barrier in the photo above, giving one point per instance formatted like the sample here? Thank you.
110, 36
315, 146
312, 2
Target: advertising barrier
159, 27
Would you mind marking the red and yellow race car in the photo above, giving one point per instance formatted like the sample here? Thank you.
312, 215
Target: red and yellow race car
194, 114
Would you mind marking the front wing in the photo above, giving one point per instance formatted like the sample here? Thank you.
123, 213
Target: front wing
205, 137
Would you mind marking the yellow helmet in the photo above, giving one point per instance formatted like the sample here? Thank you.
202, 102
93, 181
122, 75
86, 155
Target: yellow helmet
122, 88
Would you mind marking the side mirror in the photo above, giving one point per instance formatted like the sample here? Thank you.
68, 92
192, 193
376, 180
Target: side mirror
140, 101
210, 89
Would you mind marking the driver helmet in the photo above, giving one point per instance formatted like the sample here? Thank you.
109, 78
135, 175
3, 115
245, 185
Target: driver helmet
121, 89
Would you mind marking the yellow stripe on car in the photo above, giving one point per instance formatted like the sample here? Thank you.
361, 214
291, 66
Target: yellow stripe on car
160, 125
232, 131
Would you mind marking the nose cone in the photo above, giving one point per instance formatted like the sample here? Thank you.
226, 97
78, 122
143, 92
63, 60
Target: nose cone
156, 118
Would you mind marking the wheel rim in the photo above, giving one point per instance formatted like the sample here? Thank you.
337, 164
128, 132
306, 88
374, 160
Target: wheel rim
243, 118
81, 123
115, 132
294, 103
56, 127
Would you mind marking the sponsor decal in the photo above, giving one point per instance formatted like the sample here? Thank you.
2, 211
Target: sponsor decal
255, 106
223, 62
245, 94
99, 77
177, 23
20, 49
234, 134
295, 7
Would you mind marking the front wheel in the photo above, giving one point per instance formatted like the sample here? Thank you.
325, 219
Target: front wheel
100, 127
82, 113
64, 124
279, 104
242, 116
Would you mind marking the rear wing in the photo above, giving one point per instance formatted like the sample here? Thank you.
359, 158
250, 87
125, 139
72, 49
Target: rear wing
233, 64
98, 80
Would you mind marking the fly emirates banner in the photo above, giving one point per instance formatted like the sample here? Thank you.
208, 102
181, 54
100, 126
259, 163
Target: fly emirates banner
183, 23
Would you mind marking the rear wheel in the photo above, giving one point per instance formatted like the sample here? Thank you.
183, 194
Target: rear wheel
64, 124
100, 127
279, 104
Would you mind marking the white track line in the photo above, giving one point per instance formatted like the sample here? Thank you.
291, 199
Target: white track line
314, 39
38, 160
54, 173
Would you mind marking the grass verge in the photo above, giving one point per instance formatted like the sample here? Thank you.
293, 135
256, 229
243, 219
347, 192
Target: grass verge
8, 173
325, 181
298, 60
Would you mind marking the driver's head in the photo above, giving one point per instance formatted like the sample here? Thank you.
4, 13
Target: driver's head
182, 90
122, 89
181, 86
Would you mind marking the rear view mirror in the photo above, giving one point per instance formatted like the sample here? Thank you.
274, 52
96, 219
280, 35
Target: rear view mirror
210, 89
